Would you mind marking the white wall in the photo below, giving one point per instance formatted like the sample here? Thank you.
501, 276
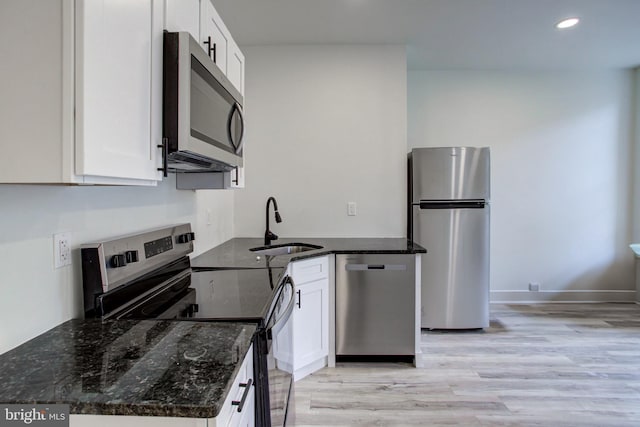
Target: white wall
36, 297
327, 126
561, 146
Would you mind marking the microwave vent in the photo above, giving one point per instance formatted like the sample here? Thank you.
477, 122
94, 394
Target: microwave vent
187, 161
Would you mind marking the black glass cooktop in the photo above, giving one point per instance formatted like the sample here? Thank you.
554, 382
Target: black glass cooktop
235, 294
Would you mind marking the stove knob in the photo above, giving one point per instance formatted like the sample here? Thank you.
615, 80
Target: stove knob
131, 256
186, 237
118, 261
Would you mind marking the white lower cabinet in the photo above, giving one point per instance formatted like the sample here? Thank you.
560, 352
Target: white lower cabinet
248, 415
310, 326
231, 414
236, 411
310, 316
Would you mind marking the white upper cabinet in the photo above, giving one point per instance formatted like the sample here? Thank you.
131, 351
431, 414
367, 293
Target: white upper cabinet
216, 39
88, 111
214, 36
118, 88
202, 21
235, 66
183, 15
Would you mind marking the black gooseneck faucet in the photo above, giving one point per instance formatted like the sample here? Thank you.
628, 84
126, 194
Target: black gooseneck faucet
268, 234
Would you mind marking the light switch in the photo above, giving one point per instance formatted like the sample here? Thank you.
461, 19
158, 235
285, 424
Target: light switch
351, 209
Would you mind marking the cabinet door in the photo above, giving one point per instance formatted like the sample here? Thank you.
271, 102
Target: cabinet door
213, 30
118, 88
235, 66
311, 323
183, 15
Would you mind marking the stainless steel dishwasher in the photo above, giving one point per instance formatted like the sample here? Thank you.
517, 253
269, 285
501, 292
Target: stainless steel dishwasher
375, 305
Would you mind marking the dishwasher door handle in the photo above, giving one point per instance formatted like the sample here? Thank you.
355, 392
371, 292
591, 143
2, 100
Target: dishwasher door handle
364, 267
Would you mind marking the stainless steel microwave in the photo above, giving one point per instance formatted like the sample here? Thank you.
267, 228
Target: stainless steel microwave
203, 124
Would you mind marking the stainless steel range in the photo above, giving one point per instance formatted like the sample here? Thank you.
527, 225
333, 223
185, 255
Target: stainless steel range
148, 275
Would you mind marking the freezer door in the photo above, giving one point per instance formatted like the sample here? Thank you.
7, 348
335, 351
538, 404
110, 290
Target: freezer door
450, 173
455, 269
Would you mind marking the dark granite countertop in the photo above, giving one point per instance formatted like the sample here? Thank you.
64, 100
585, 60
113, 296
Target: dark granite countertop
236, 253
225, 294
147, 367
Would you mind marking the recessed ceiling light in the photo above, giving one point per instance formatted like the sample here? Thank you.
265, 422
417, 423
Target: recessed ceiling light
567, 23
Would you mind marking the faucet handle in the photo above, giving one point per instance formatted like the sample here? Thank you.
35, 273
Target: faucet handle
268, 237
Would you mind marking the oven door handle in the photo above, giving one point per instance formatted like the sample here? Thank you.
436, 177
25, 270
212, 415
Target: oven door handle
147, 296
279, 323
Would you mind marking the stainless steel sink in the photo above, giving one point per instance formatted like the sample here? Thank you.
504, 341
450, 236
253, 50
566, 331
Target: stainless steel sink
284, 249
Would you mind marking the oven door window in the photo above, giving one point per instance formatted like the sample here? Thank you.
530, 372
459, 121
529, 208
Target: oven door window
173, 302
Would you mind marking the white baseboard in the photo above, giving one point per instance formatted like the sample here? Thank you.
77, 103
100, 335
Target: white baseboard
524, 297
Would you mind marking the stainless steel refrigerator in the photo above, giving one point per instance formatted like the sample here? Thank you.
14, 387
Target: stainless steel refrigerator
448, 214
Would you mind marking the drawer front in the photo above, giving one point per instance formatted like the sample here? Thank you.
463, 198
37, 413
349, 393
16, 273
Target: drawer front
246, 418
229, 410
309, 270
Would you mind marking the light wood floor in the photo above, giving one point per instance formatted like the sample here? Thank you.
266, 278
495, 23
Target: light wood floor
537, 365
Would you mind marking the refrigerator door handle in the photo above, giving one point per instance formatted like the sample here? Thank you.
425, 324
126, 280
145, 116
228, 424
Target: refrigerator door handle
452, 204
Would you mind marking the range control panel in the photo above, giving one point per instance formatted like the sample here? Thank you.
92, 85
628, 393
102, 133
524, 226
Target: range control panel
158, 246
125, 258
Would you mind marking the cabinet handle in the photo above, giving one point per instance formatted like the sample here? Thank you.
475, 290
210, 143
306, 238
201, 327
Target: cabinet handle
211, 48
165, 154
247, 388
235, 181
299, 299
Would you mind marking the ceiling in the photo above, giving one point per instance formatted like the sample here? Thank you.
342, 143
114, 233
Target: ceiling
452, 33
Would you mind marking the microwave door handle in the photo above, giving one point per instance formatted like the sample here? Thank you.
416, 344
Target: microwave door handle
241, 139
237, 146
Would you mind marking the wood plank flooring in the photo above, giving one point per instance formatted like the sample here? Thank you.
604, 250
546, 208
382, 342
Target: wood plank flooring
537, 365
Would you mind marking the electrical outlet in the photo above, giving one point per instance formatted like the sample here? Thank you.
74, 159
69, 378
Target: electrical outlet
61, 250
351, 209
208, 216
534, 286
